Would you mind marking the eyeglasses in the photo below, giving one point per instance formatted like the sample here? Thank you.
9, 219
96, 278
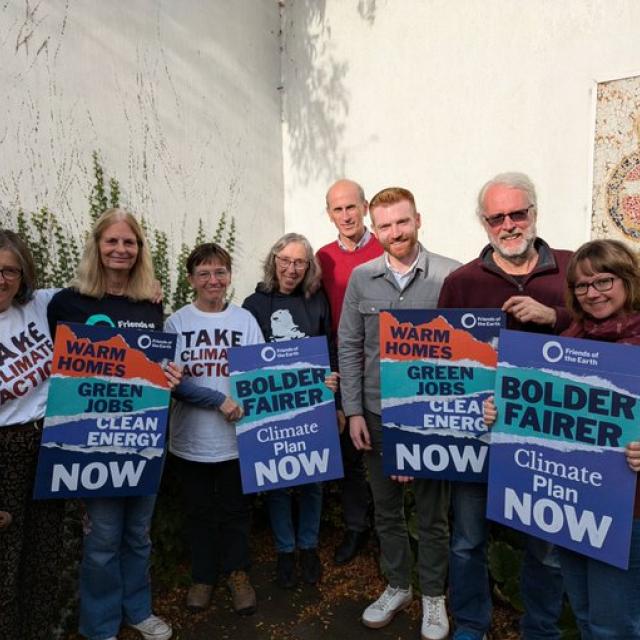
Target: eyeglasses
298, 265
205, 276
516, 216
10, 274
601, 285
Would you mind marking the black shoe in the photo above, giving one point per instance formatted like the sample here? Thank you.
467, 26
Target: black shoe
310, 566
286, 571
352, 543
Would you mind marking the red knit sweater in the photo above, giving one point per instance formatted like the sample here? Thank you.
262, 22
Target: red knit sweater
337, 265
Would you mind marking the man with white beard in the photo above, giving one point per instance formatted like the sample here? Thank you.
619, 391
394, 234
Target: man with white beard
520, 273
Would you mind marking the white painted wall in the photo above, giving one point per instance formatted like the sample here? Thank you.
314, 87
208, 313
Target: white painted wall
439, 96
180, 97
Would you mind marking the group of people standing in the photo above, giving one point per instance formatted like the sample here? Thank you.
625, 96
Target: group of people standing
337, 293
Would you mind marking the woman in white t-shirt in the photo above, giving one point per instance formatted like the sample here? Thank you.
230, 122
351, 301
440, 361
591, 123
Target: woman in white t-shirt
203, 435
31, 538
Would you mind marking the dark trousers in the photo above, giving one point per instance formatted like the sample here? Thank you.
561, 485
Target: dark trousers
432, 510
30, 546
356, 497
216, 517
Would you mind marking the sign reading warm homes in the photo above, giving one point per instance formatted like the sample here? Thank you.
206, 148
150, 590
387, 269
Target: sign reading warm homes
436, 368
104, 429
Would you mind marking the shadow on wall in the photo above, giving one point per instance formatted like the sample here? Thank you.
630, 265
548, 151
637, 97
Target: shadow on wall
316, 110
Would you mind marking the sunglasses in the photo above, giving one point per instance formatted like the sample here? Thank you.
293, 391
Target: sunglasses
516, 216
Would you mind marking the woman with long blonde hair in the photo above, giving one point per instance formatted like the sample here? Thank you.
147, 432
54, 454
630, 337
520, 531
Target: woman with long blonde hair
115, 286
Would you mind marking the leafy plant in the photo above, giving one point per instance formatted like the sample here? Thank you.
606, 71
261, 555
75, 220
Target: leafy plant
56, 246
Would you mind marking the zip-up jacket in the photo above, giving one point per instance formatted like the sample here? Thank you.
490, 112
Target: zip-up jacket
482, 284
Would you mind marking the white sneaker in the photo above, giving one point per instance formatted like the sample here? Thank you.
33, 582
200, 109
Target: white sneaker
435, 624
381, 612
153, 628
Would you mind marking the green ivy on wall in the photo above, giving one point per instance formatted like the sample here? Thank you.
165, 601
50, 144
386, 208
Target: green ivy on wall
56, 246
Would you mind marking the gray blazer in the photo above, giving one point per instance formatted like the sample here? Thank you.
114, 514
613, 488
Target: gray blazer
371, 289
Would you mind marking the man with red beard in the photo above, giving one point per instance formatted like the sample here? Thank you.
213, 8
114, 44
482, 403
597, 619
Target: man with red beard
406, 276
520, 273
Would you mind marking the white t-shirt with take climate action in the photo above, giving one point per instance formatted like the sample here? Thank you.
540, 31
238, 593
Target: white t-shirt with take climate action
26, 351
203, 435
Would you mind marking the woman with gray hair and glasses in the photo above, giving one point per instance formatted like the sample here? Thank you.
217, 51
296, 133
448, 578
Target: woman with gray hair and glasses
288, 303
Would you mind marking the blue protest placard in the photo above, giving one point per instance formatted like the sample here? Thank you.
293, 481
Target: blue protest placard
566, 410
104, 428
288, 435
436, 368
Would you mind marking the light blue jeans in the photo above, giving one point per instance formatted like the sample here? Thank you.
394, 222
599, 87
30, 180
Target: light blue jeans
114, 573
470, 597
309, 511
604, 599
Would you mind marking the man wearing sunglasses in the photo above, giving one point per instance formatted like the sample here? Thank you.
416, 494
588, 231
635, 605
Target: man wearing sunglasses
519, 273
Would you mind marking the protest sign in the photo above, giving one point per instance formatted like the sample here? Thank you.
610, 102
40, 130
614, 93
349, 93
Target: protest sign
104, 428
288, 435
566, 410
436, 368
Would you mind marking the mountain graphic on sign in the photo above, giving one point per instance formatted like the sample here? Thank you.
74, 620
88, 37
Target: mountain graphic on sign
439, 332
114, 351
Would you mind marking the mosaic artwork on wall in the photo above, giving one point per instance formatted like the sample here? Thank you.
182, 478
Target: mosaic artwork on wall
616, 161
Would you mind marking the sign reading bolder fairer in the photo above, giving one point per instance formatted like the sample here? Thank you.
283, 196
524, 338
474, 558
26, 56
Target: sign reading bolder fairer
436, 368
566, 410
288, 435
104, 428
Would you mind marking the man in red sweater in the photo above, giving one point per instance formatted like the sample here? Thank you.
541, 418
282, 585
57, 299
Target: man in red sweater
347, 207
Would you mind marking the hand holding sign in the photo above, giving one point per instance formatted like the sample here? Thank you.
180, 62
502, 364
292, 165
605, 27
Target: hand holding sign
332, 381
633, 456
231, 410
489, 411
526, 309
173, 373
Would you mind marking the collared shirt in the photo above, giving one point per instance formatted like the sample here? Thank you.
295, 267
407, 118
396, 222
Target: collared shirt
402, 277
373, 288
366, 236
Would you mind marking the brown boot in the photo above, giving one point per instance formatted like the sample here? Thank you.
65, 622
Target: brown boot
199, 596
5, 519
243, 595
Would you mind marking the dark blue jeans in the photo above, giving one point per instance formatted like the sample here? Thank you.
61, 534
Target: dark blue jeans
309, 511
604, 599
114, 574
470, 598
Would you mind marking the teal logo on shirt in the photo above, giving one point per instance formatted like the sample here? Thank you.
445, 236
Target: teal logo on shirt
100, 318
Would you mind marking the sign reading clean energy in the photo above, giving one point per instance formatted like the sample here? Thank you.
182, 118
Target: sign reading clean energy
104, 429
288, 435
566, 410
436, 368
